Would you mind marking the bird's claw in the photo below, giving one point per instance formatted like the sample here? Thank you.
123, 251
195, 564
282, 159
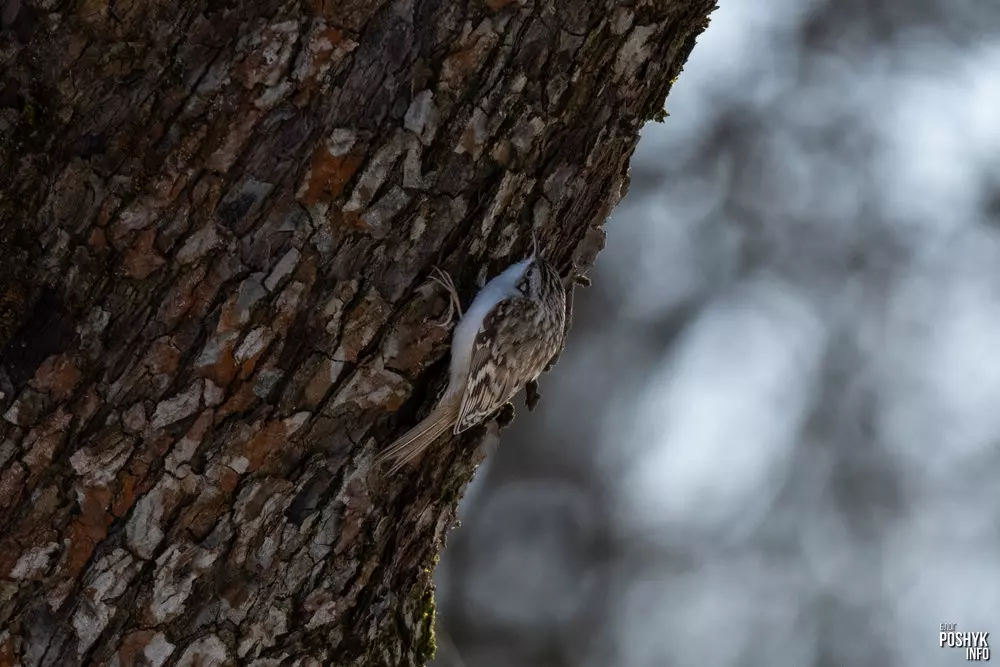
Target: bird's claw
531, 395
443, 279
505, 415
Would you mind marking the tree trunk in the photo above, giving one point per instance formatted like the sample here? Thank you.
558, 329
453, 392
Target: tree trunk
214, 221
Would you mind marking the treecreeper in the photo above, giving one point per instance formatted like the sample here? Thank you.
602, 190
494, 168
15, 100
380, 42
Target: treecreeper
512, 330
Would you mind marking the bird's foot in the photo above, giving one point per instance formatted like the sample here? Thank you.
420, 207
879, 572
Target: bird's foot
443, 279
531, 395
505, 415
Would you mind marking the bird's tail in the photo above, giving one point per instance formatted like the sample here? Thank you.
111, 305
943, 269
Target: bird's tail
412, 443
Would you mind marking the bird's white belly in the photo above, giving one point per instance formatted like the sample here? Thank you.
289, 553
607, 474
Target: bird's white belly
464, 337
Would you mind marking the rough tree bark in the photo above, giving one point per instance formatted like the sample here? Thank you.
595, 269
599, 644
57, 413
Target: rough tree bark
214, 221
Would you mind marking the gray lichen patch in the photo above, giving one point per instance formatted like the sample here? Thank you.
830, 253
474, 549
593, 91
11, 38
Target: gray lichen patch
145, 529
143, 645
106, 581
184, 449
34, 561
178, 407
375, 173
333, 311
472, 49
621, 20
373, 387
257, 512
341, 141
254, 343
99, 463
177, 568
361, 325
526, 132
422, 117
282, 269
475, 134
199, 244
379, 216
510, 184
264, 633
635, 51
326, 46
272, 51
209, 651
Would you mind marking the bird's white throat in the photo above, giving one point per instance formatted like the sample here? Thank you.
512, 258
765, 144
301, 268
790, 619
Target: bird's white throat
464, 337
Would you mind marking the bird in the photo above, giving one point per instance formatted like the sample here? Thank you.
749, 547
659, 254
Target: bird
506, 338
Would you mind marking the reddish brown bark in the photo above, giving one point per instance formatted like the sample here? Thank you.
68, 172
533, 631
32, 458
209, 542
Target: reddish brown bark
214, 221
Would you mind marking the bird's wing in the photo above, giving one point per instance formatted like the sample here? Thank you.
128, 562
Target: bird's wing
493, 380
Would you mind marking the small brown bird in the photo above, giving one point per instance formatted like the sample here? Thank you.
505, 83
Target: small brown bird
506, 338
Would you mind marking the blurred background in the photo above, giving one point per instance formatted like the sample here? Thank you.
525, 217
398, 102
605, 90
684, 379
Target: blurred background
773, 438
